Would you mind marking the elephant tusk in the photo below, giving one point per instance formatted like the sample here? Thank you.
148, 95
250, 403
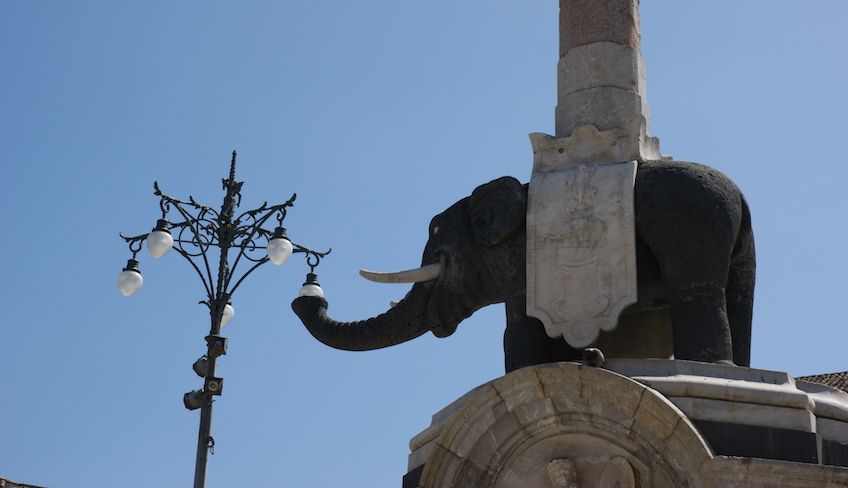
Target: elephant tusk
417, 275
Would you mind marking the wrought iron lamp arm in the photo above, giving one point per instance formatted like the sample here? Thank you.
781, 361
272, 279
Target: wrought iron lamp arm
248, 233
310, 255
166, 199
280, 207
135, 244
196, 268
246, 274
192, 223
313, 258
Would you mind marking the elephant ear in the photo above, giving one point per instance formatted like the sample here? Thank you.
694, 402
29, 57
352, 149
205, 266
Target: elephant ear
497, 209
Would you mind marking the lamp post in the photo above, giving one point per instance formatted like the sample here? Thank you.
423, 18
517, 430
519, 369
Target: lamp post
196, 230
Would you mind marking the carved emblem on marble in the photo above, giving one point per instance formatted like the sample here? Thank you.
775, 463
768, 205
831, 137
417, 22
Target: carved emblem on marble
595, 472
581, 251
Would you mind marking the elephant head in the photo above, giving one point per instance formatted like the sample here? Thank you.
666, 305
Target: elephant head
474, 257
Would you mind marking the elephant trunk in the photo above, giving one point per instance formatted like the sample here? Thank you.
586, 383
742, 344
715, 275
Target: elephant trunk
401, 323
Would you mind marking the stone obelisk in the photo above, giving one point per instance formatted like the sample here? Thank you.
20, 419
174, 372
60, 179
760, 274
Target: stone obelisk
601, 81
581, 261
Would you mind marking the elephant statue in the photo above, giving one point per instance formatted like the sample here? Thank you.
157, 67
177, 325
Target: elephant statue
695, 264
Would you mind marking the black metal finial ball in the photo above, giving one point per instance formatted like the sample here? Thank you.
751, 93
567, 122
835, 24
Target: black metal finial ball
593, 357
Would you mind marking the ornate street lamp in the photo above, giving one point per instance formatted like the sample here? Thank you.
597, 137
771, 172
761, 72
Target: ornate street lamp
196, 230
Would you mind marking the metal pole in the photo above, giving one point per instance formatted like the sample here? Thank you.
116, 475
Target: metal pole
225, 219
204, 434
203, 439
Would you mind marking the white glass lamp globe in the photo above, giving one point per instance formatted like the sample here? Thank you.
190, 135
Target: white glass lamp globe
229, 313
130, 279
160, 241
279, 250
311, 288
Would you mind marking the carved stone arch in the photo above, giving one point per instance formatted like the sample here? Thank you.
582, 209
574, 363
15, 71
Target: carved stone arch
529, 428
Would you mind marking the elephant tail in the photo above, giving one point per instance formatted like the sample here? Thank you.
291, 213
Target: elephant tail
739, 292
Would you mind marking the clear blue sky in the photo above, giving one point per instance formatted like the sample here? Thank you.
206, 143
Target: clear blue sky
379, 114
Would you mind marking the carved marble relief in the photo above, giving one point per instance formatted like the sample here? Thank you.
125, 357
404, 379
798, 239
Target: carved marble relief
594, 472
581, 258
563, 473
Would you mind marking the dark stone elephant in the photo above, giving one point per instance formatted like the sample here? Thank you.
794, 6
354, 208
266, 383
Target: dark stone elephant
695, 264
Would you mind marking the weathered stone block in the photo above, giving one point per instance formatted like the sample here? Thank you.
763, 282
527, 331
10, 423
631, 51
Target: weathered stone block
827, 402
651, 417
470, 475
607, 399
587, 21
469, 432
684, 451
442, 468
832, 430
834, 453
601, 64
476, 416
419, 455
760, 473
557, 381
746, 413
498, 441
753, 441
604, 107
519, 388
536, 415
588, 145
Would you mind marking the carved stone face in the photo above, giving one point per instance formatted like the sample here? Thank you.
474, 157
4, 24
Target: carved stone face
563, 473
601, 472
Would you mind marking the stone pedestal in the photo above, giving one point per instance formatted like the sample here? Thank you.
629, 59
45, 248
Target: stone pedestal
636, 423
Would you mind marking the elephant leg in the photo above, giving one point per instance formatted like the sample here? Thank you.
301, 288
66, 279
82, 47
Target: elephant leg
740, 301
700, 328
694, 277
740, 291
527, 344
